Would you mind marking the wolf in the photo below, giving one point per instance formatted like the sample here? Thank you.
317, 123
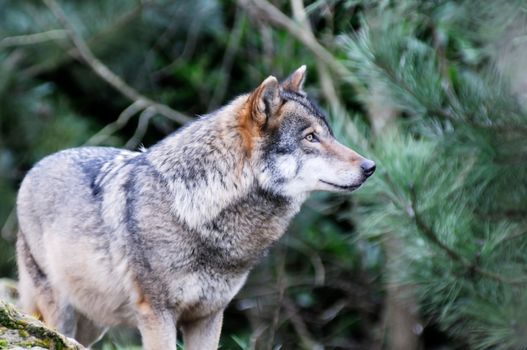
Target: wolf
164, 238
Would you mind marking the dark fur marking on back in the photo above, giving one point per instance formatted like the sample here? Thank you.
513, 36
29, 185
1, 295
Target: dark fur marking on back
91, 167
142, 161
132, 226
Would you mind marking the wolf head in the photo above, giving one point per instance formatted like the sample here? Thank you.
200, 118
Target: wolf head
292, 146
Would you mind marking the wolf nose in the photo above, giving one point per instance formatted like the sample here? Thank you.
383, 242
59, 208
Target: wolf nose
368, 167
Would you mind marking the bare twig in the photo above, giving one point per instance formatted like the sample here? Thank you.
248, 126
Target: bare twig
142, 125
9, 228
255, 336
300, 327
192, 39
105, 73
326, 81
316, 262
228, 58
264, 9
31, 39
69, 54
330, 313
267, 54
193, 34
281, 282
121, 121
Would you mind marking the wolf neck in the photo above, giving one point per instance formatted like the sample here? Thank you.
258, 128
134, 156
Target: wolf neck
210, 176
243, 231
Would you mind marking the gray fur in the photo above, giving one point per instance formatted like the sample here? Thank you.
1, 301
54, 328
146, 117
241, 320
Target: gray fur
167, 236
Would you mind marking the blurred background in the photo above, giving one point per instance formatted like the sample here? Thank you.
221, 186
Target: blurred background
430, 254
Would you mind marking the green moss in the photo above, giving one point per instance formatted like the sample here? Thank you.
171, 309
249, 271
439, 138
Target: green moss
34, 343
10, 318
3, 344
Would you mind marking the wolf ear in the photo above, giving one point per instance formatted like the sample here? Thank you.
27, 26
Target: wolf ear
265, 100
295, 82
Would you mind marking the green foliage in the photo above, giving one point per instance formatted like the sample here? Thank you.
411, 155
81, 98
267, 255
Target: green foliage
450, 183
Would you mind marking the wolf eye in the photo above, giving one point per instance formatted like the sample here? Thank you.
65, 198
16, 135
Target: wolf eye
311, 137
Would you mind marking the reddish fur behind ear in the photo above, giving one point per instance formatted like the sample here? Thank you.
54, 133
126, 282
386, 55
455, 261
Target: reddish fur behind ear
261, 105
247, 127
265, 100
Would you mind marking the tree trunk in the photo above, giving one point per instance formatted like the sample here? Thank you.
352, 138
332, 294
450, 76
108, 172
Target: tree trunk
401, 319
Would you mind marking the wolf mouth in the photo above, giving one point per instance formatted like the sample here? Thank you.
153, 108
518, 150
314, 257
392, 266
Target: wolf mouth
347, 187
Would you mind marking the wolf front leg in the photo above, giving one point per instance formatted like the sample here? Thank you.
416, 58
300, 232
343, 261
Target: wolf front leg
158, 329
203, 334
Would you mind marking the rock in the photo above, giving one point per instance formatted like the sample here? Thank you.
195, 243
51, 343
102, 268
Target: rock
19, 331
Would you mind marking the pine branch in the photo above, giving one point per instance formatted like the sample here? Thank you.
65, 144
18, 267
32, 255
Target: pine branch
430, 234
390, 74
105, 73
452, 113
